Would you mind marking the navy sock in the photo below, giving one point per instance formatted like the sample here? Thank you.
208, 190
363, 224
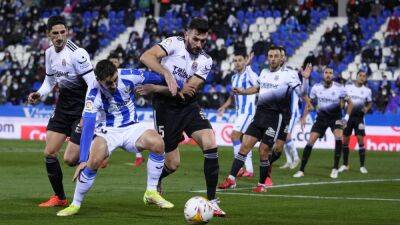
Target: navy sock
55, 176
211, 171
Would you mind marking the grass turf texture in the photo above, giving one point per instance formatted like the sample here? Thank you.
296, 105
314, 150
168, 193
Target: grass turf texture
116, 197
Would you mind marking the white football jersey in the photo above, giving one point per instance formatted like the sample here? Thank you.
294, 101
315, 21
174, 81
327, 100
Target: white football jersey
181, 63
359, 96
276, 89
70, 69
328, 99
245, 104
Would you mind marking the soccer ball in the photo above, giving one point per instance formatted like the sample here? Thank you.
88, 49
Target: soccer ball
198, 211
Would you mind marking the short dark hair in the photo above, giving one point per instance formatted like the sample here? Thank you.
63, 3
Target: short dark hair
273, 47
105, 68
199, 24
55, 20
241, 52
113, 56
281, 48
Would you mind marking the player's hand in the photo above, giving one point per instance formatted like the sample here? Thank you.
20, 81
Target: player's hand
145, 89
33, 97
78, 170
238, 91
250, 58
221, 111
307, 71
171, 83
188, 89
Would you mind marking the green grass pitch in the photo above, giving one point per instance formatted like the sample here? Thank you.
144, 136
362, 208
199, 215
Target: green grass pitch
116, 197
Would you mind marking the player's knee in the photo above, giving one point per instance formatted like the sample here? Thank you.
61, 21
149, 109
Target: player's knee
158, 146
173, 165
70, 161
49, 152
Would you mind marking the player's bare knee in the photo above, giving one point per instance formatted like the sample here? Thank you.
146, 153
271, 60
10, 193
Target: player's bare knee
158, 146
49, 152
70, 161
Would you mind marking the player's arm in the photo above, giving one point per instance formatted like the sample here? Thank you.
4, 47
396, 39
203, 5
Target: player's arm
343, 102
151, 58
83, 66
247, 91
228, 102
47, 85
88, 126
368, 106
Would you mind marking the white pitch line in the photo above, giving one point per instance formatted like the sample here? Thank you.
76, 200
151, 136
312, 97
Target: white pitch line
312, 197
310, 183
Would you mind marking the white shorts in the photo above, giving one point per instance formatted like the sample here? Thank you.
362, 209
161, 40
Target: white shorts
124, 137
242, 122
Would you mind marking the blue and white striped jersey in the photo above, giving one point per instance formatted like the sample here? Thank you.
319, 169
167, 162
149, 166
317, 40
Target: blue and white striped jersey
245, 104
115, 109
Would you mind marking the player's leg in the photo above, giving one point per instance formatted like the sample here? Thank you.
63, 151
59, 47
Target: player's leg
54, 142
306, 153
242, 122
264, 167
71, 154
346, 152
205, 138
236, 142
338, 133
248, 143
287, 150
85, 180
153, 142
360, 132
170, 128
347, 131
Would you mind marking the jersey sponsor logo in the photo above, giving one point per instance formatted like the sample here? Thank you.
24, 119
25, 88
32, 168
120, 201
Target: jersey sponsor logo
116, 106
269, 86
61, 74
322, 99
180, 72
270, 132
64, 63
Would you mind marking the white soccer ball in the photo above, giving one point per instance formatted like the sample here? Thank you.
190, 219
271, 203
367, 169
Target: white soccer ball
198, 210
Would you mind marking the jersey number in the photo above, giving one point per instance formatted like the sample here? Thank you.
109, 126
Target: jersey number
161, 131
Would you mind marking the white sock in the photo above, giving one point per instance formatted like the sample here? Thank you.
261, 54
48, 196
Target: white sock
249, 162
155, 166
287, 149
236, 147
139, 155
293, 151
83, 185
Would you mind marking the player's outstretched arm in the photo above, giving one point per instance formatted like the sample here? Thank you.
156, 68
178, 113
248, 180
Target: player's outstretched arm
248, 91
151, 58
47, 86
309, 107
228, 102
